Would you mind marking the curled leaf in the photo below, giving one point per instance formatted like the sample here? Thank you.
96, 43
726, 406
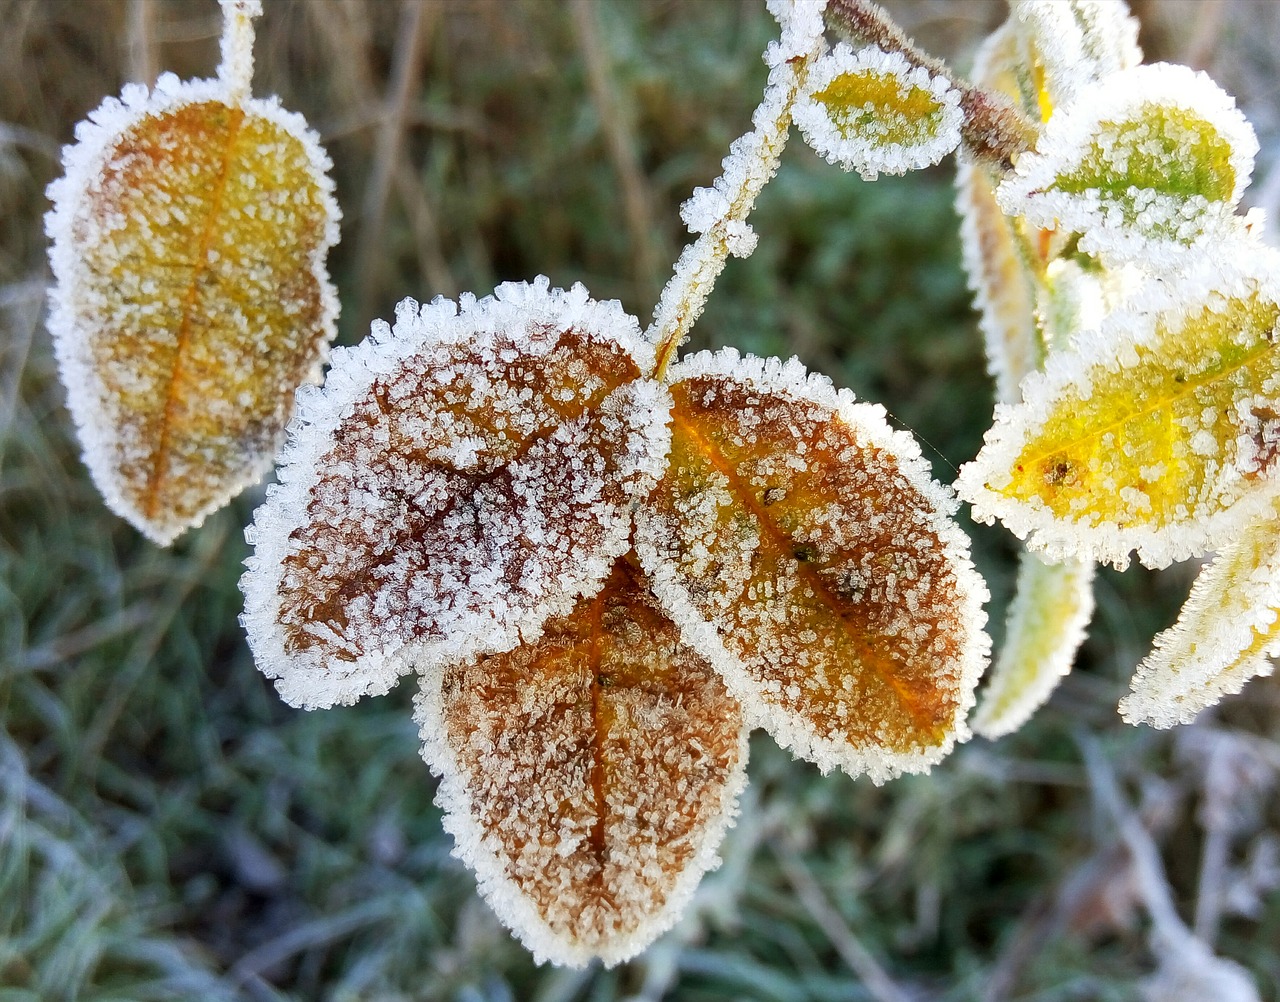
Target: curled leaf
587, 777
872, 111
461, 477
802, 547
1156, 434
1227, 632
1046, 625
189, 236
1143, 164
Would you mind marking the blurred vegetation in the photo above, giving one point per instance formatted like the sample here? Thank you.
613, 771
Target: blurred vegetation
169, 829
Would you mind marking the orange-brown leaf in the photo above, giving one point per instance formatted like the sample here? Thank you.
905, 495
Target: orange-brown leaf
801, 545
457, 481
588, 777
189, 239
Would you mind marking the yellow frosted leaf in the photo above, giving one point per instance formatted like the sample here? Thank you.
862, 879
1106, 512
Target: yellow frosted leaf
589, 776
872, 111
1143, 164
1045, 628
802, 547
189, 236
459, 479
1227, 632
1156, 433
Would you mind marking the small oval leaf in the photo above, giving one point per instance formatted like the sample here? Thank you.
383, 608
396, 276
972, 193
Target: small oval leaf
1227, 632
872, 111
802, 547
1156, 433
1069, 44
1046, 625
1143, 164
189, 236
459, 479
587, 777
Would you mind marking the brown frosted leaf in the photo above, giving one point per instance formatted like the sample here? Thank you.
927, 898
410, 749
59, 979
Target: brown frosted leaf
459, 479
803, 548
587, 777
189, 236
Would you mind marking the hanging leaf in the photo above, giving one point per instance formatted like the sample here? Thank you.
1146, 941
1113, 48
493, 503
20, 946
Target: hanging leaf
1046, 625
803, 549
189, 236
1143, 164
587, 777
1157, 434
1227, 633
460, 478
872, 111
1069, 44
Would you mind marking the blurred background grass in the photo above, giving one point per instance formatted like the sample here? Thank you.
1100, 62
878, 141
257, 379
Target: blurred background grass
170, 830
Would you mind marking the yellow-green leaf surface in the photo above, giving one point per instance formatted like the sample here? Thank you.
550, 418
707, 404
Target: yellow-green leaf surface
802, 547
1142, 163
1227, 632
1046, 625
189, 236
461, 477
873, 112
1156, 434
587, 777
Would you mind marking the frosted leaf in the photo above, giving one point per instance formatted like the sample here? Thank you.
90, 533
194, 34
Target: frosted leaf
588, 777
872, 111
1143, 164
1046, 625
461, 477
1073, 43
802, 547
1226, 634
189, 234
802, 26
1157, 433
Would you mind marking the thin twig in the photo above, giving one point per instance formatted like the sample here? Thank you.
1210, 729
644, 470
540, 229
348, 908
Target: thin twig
143, 61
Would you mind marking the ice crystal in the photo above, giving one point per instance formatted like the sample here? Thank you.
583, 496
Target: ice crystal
1157, 433
1074, 43
1226, 634
1144, 164
873, 112
189, 233
461, 477
588, 777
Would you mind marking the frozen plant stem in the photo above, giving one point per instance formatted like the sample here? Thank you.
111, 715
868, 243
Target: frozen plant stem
994, 131
236, 67
752, 162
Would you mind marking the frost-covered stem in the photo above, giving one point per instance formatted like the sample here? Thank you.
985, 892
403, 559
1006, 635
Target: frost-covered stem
700, 263
236, 68
994, 130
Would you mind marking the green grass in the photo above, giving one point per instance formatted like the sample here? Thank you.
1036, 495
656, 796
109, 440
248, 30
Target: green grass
169, 829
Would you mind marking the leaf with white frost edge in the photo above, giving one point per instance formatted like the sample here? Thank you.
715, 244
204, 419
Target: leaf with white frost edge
1157, 433
1075, 42
873, 112
189, 234
588, 777
460, 477
1144, 164
802, 547
1046, 625
1226, 634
